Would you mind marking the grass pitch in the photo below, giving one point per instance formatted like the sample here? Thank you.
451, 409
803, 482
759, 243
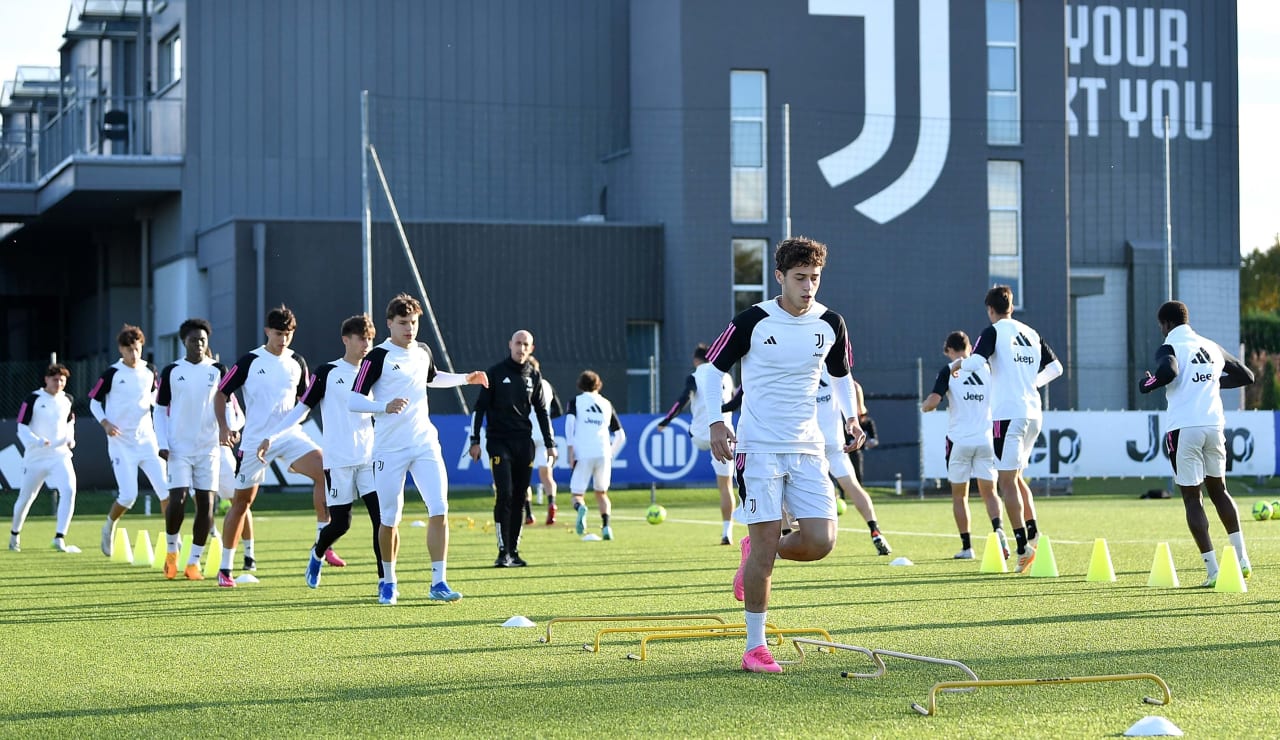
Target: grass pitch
94, 648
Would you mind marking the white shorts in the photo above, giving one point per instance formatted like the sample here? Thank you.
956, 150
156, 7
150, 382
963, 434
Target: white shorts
199, 472
54, 471
1013, 440
838, 462
127, 455
346, 484
586, 470
539, 454
290, 447
1196, 453
226, 473
723, 468
768, 481
968, 460
427, 466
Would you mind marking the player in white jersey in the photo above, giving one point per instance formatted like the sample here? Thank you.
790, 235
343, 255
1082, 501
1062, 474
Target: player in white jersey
271, 378
544, 464
1021, 362
1192, 370
392, 385
187, 435
970, 452
698, 430
830, 422
47, 430
782, 345
594, 436
347, 443
121, 401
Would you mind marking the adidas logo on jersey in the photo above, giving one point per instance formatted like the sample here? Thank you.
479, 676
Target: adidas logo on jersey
182, 377
1201, 358
770, 340
395, 367
1021, 340
262, 371
507, 381
595, 409
341, 381
972, 380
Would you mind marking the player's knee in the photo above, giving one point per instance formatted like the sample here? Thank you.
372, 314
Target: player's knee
127, 500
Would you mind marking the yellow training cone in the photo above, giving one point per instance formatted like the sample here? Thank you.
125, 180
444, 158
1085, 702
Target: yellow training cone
213, 557
143, 554
1230, 578
1044, 566
993, 557
1163, 574
184, 553
121, 552
157, 555
1100, 563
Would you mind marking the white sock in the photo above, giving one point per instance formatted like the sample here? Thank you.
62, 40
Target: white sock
248, 548
755, 629
196, 552
437, 572
228, 554
173, 542
726, 528
320, 526
1237, 541
1210, 562
388, 571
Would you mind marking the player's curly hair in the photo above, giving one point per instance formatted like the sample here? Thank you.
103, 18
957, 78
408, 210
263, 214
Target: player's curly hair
1173, 313
57, 368
281, 318
957, 341
589, 382
403, 305
799, 251
191, 325
130, 335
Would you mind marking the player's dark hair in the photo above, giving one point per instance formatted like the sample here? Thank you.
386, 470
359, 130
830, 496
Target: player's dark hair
799, 251
589, 382
700, 352
130, 335
403, 305
1000, 299
281, 318
191, 325
957, 341
358, 326
57, 368
1173, 313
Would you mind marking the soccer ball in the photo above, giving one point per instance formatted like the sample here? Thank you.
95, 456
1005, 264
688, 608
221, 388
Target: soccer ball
224, 506
1262, 511
655, 515
1275, 509
841, 506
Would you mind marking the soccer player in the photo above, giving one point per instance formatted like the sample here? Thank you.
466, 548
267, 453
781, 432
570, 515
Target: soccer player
698, 430
541, 462
782, 345
829, 421
347, 443
47, 429
513, 394
1193, 369
594, 435
121, 401
970, 452
392, 385
187, 435
272, 378
1021, 362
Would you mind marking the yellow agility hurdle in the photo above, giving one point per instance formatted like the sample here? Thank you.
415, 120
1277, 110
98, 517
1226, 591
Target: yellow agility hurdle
629, 618
932, 709
728, 630
667, 630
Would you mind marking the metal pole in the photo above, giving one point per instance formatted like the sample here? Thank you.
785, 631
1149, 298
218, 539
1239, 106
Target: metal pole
920, 421
1168, 217
366, 200
786, 171
653, 385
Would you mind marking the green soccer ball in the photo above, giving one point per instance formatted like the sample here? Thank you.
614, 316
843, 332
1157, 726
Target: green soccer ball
223, 506
841, 506
655, 515
1275, 509
1262, 511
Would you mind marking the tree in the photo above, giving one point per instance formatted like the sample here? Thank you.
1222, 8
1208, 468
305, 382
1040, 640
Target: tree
1270, 387
1260, 280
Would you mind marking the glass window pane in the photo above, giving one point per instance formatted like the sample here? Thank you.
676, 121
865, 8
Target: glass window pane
748, 261
176, 58
1004, 232
1002, 68
744, 299
1002, 20
640, 344
1003, 125
747, 144
1007, 271
1002, 184
747, 194
638, 401
746, 94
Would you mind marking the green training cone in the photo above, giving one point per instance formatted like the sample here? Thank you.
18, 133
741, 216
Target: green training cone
1163, 574
1044, 566
1100, 569
142, 552
993, 557
1230, 578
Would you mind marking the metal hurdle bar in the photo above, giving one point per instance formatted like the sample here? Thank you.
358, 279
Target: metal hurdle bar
739, 628
877, 655
627, 618
728, 630
932, 708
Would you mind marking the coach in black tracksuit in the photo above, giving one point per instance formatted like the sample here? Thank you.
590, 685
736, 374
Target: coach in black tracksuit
515, 389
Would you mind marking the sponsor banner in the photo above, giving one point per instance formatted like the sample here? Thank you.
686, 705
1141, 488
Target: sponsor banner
1127, 444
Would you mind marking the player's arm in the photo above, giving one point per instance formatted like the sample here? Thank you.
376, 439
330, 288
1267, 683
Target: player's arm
690, 387
940, 386
1166, 370
25, 413
98, 402
232, 380
311, 397
571, 427
363, 396
730, 347
1050, 367
554, 409
69, 438
844, 390
544, 421
734, 403
1235, 374
619, 435
483, 402
983, 349
160, 415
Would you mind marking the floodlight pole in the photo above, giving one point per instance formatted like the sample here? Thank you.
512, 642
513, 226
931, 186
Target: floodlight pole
786, 170
366, 214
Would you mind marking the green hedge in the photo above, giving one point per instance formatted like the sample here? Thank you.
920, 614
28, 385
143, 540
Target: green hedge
1260, 331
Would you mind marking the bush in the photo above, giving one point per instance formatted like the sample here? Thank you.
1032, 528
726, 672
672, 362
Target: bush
1260, 331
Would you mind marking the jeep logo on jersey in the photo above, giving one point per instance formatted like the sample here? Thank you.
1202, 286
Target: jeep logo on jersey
667, 454
880, 105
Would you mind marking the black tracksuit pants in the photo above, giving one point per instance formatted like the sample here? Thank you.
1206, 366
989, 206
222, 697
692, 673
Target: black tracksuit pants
511, 461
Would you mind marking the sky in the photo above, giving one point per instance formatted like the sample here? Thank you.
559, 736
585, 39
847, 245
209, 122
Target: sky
31, 32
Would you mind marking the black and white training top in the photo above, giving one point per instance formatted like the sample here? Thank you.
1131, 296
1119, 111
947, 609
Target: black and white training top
388, 372
271, 385
591, 427
347, 435
782, 358
46, 418
184, 419
968, 394
1193, 369
124, 396
1020, 362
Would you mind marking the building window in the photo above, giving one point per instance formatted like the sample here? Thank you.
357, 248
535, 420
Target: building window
169, 60
747, 142
1004, 218
750, 274
1004, 105
643, 362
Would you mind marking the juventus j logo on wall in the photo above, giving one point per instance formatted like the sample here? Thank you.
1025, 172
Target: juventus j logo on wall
870, 146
